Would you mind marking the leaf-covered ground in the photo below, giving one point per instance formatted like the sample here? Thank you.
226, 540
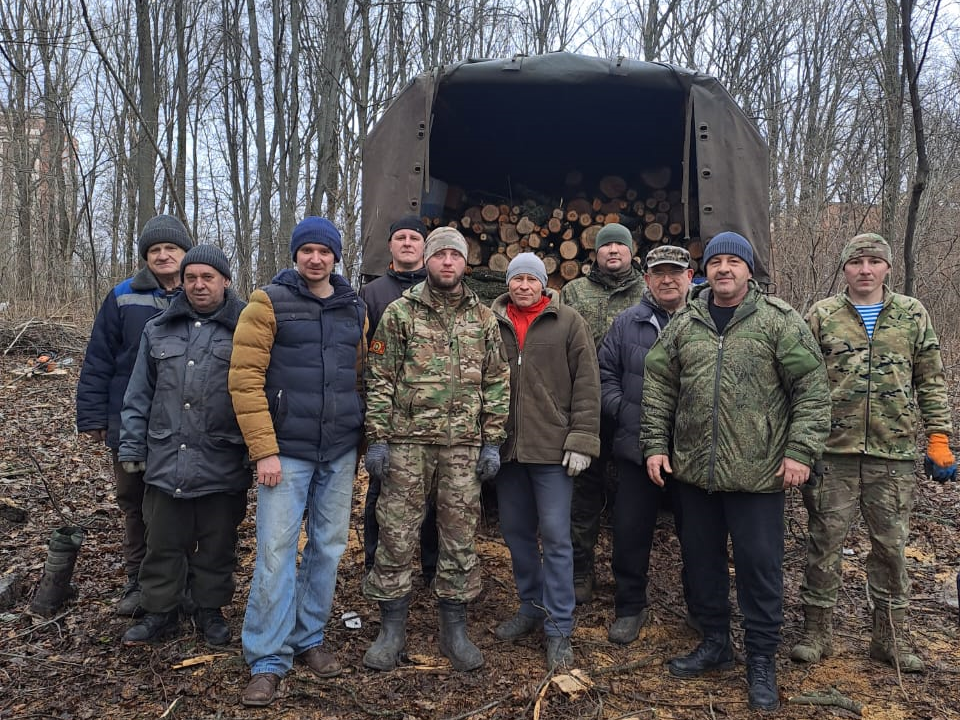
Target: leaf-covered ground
73, 665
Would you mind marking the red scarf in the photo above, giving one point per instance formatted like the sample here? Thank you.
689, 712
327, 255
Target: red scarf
522, 317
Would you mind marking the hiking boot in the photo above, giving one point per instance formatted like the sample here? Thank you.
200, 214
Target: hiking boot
583, 589
626, 629
890, 643
714, 653
762, 691
211, 623
387, 650
261, 690
559, 652
129, 603
152, 628
517, 626
817, 639
322, 663
454, 643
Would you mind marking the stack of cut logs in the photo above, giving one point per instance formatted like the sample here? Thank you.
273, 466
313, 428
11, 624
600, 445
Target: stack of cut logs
563, 233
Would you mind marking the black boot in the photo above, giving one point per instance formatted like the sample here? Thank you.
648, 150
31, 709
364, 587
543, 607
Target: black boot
152, 627
212, 624
387, 649
55, 588
762, 683
714, 653
454, 643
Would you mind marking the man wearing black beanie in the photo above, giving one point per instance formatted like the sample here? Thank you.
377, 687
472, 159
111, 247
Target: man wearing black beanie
406, 243
108, 363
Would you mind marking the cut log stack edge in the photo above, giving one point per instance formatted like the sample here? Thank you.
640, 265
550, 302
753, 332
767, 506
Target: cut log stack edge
563, 233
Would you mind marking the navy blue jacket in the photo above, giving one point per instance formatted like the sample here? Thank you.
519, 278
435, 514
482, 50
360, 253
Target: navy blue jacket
177, 414
112, 351
621, 356
293, 374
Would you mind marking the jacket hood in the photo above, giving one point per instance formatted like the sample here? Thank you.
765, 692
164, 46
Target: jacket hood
609, 281
227, 314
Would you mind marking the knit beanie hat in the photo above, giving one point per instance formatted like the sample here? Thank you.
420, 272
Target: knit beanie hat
442, 238
315, 229
529, 264
206, 255
866, 245
729, 243
410, 222
163, 229
614, 233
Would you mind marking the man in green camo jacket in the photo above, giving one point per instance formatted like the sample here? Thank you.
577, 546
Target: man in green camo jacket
438, 396
884, 365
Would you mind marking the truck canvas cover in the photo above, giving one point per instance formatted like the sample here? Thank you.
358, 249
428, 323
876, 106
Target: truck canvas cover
507, 125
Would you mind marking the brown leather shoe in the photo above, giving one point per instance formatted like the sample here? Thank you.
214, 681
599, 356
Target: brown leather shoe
261, 690
322, 663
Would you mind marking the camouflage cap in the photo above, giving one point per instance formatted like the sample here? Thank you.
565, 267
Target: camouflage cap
866, 245
443, 238
668, 255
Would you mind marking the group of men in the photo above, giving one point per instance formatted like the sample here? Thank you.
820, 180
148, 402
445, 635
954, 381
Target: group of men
719, 395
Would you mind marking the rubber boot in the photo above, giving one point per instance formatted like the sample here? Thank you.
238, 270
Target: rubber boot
454, 643
890, 644
817, 639
386, 650
54, 588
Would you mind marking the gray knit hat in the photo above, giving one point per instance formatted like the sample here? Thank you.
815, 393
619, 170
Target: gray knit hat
163, 229
442, 238
729, 243
527, 264
206, 255
614, 233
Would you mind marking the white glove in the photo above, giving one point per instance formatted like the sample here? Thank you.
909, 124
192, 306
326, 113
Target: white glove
133, 466
575, 462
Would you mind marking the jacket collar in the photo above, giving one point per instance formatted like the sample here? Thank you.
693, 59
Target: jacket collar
226, 315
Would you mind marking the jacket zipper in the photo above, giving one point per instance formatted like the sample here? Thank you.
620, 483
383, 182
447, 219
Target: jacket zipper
711, 477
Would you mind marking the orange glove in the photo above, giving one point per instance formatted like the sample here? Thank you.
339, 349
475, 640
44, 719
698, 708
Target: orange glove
938, 450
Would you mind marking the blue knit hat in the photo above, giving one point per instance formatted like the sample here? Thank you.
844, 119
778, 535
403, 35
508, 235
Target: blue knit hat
314, 229
729, 243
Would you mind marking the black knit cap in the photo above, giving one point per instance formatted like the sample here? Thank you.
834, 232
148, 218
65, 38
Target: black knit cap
411, 222
206, 255
163, 229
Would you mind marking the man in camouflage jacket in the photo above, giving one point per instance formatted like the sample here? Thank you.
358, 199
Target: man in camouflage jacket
736, 408
614, 284
884, 365
438, 396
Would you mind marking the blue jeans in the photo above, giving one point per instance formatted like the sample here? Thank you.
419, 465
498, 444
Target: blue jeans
288, 608
536, 498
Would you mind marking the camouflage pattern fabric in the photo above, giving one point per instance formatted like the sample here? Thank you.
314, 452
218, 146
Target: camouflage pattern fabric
735, 405
418, 472
599, 298
877, 387
884, 489
437, 373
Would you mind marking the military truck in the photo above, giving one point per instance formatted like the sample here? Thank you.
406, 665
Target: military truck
524, 132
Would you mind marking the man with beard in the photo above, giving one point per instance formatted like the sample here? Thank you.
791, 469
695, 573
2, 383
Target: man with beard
438, 395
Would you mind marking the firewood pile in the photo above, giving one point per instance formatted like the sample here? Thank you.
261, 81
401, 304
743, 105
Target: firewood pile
563, 231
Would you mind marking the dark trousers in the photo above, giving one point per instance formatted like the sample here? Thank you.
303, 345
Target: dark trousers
198, 535
593, 490
130, 500
429, 548
634, 522
754, 524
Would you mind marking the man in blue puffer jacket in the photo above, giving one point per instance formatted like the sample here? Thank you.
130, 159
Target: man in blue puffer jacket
108, 363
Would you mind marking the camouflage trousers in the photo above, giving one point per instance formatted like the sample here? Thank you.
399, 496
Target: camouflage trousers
882, 490
419, 472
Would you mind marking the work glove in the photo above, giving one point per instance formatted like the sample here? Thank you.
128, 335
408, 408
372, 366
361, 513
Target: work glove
575, 462
488, 464
939, 462
133, 466
378, 461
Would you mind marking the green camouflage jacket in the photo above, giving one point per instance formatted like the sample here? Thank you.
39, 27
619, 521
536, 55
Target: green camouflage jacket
731, 407
599, 298
437, 375
877, 386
